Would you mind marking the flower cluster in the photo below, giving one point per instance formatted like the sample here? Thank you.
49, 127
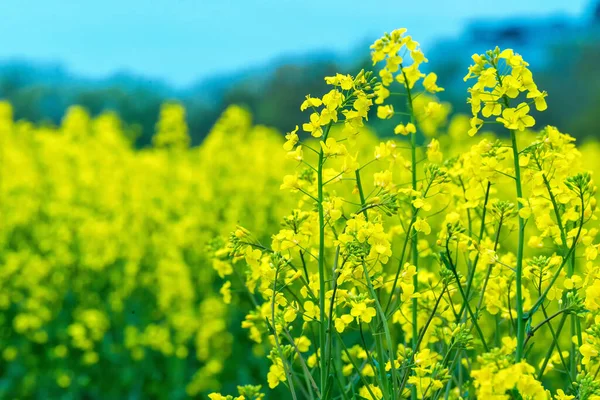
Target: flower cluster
463, 270
503, 76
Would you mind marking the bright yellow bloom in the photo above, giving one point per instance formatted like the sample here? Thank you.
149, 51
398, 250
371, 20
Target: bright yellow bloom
310, 102
362, 312
421, 225
365, 393
302, 343
592, 296
276, 374
561, 395
517, 118
385, 112
382, 179
291, 139
405, 129
314, 126
434, 154
588, 351
342, 322
332, 148
476, 124
539, 99
311, 311
226, 292
429, 83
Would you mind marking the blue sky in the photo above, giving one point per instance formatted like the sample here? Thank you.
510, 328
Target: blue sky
182, 41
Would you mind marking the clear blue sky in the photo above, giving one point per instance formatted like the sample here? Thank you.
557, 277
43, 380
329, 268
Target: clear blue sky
184, 40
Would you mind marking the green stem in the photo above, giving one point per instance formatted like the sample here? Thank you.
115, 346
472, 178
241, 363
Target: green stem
448, 262
551, 348
563, 236
361, 194
555, 339
381, 376
310, 383
403, 254
321, 263
520, 249
570, 258
288, 373
420, 339
386, 329
546, 320
415, 234
378, 305
481, 232
331, 308
575, 323
449, 384
356, 367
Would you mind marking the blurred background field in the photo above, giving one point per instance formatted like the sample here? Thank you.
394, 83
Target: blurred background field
113, 184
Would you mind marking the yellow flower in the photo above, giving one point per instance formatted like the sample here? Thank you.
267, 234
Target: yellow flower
310, 102
342, 322
362, 312
290, 182
517, 118
311, 311
530, 388
314, 126
410, 74
226, 292
419, 202
381, 93
386, 77
291, 140
476, 124
434, 154
432, 108
539, 99
365, 393
421, 225
290, 315
429, 83
573, 282
383, 178
536, 242
344, 81
588, 351
276, 374
332, 148
297, 154
332, 100
592, 296
302, 343
385, 112
560, 395
492, 107
405, 129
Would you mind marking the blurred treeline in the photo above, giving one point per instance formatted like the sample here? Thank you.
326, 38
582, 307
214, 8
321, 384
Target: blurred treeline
564, 54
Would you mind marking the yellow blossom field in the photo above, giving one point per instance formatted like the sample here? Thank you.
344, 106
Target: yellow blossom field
455, 257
